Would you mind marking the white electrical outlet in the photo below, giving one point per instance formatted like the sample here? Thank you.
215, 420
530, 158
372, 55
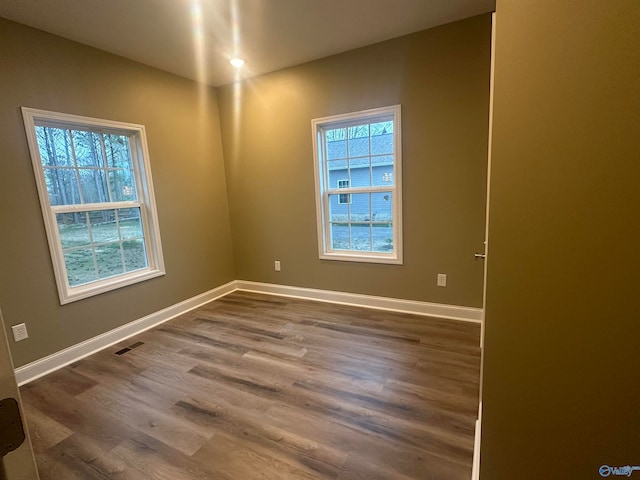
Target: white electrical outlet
442, 279
20, 332
277, 265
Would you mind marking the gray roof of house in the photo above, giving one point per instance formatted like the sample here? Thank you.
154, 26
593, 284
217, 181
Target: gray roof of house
381, 152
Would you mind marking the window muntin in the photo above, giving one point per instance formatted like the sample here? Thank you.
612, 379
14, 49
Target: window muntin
358, 165
96, 194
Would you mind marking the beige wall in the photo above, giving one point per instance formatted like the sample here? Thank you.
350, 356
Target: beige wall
561, 367
43, 71
441, 78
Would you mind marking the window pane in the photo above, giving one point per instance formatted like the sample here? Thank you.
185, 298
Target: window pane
382, 217
382, 138
382, 237
103, 226
54, 146
130, 223
360, 169
121, 175
135, 256
122, 186
358, 141
109, 260
381, 207
117, 150
361, 236
337, 170
88, 149
382, 173
338, 211
381, 128
94, 185
80, 266
360, 210
360, 221
336, 143
340, 236
73, 229
62, 186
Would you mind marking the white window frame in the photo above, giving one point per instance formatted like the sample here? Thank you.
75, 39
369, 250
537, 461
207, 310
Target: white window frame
340, 202
145, 202
324, 189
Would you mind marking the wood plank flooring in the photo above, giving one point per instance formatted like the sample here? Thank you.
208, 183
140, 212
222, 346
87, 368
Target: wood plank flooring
255, 386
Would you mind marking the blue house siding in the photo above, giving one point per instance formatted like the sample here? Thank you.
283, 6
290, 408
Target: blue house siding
359, 207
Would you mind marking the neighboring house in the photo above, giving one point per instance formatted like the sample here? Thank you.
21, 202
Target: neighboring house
364, 168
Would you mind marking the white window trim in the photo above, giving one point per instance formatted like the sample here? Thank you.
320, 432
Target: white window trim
146, 196
348, 202
323, 189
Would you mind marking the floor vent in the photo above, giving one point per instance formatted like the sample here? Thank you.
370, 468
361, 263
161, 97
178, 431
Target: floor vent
129, 348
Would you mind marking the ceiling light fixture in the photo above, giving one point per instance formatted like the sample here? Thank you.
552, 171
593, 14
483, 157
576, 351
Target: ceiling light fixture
236, 62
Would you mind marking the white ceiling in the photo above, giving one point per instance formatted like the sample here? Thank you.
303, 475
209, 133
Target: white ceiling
269, 34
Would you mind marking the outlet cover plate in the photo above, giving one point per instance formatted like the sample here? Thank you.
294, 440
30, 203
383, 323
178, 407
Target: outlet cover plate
20, 332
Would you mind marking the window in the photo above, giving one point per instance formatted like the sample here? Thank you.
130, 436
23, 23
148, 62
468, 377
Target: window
344, 197
358, 186
96, 194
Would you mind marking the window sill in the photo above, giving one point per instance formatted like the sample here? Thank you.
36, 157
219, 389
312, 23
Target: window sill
365, 257
69, 295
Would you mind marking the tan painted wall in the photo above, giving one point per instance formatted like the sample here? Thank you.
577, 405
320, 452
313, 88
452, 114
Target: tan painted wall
43, 71
441, 78
562, 370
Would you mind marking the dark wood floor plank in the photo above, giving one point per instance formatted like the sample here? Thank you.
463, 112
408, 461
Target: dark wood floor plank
250, 463
50, 467
77, 415
255, 386
201, 387
156, 423
158, 461
255, 432
45, 431
405, 459
88, 461
429, 397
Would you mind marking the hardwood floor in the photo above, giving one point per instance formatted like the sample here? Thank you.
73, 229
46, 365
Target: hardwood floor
262, 387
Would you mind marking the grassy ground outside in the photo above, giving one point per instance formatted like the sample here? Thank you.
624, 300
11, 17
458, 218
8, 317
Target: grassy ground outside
113, 251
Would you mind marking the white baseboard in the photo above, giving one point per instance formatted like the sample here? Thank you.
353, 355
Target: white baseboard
468, 314
48, 364
475, 472
39, 368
